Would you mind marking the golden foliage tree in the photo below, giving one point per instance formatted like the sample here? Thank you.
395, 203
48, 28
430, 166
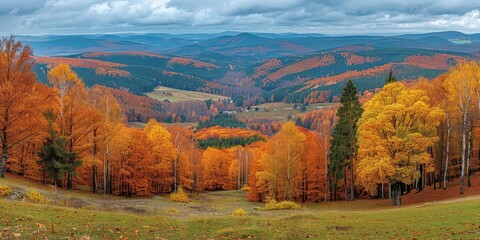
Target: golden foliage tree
165, 154
462, 84
394, 132
216, 165
284, 151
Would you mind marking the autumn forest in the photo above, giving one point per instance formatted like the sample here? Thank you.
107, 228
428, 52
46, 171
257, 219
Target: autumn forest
398, 138
195, 143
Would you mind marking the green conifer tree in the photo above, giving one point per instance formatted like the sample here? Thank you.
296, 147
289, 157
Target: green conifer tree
390, 78
54, 158
343, 144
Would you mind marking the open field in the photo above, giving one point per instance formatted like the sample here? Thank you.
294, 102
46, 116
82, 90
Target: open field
176, 95
280, 110
209, 216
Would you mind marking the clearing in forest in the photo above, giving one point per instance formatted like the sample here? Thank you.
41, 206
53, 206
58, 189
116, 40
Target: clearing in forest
177, 95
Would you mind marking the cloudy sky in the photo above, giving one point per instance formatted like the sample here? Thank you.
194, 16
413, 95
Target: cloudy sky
37, 17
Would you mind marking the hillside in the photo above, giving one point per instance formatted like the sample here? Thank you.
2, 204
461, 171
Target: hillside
298, 79
210, 215
292, 68
138, 72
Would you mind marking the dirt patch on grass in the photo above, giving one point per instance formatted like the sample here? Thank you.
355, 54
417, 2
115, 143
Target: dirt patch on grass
452, 193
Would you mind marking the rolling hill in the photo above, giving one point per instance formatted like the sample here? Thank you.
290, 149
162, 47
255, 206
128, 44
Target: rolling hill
138, 72
293, 79
278, 67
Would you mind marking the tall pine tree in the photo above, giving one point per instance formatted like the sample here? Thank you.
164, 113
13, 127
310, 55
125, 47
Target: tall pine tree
343, 144
390, 78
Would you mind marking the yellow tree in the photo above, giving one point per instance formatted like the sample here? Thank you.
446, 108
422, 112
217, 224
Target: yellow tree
394, 132
63, 79
165, 154
184, 143
462, 84
112, 118
284, 151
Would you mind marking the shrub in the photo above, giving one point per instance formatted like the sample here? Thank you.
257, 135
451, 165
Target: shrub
274, 205
36, 197
5, 191
179, 196
240, 212
245, 188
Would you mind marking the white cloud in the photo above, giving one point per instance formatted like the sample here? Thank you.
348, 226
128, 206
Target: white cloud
326, 16
101, 8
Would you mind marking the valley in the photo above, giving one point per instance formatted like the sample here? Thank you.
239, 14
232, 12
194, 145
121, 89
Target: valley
239, 135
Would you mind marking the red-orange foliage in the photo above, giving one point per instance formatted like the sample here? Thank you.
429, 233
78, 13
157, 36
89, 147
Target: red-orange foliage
102, 67
313, 62
354, 59
186, 167
265, 67
216, 169
135, 168
439, 61
221, 132
346, 75
195, 63
317, 97
257, 150
311, 179
111, 72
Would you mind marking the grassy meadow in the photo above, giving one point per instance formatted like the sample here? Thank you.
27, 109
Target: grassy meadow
177, 95
279, 110
80, 215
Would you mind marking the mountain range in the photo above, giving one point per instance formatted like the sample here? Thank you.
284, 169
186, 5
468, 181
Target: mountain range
279, 67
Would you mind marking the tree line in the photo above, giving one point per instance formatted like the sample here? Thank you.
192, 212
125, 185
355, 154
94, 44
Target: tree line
403, 137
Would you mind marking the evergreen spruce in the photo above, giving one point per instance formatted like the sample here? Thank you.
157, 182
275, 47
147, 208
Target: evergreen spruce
390, 78
343, 144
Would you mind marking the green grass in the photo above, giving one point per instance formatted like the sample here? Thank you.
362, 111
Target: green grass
177, 95
210, 215
453, 220
279, 110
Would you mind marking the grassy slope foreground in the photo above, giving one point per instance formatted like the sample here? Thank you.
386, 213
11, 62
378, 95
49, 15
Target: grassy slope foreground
209, 215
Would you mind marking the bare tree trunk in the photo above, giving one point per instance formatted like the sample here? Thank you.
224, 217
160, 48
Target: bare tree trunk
449, 131
326, 168
94, 179
469, 184
175, 173
392, 193
345, 182
399, 194
106, 189
352, 191
464, 143
4, 154
382, 191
